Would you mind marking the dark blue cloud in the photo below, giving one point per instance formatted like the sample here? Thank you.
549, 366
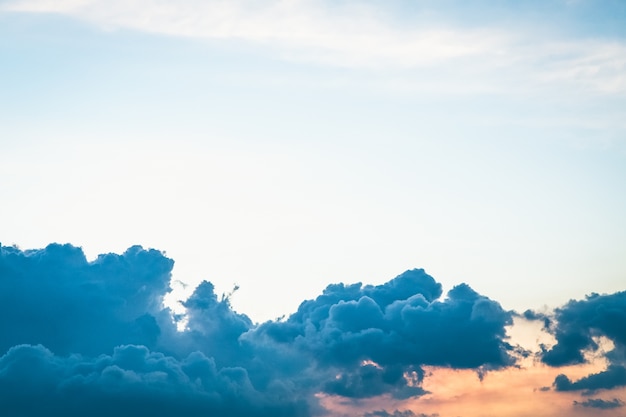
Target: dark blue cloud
600, 403
374, 339
535, 316
93, 338
614, 376
370, 380
578, 321
212, 326
56, 298
132, 381
397, 413
575, 326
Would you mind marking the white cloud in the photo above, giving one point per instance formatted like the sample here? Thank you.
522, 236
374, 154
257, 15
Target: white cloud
354, 35
591, 65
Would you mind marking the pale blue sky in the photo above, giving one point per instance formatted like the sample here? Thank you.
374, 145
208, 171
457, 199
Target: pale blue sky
287, 146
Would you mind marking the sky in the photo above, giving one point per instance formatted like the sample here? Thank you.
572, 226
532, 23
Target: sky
281, 162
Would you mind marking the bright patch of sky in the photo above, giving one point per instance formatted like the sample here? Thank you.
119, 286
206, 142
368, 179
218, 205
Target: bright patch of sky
288, 145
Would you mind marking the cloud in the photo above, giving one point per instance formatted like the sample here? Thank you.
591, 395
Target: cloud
367, 340
132, 381
577, 326
212, 326
347, 35
579, 321
371, 380
486, 58
600, 403
614, 376
397, 413
536, 316
94, 338
54, 297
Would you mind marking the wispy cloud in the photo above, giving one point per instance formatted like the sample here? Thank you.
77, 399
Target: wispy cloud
489, 57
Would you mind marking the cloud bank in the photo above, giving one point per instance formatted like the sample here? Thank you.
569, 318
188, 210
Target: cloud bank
131, 381
93, 338
98, 331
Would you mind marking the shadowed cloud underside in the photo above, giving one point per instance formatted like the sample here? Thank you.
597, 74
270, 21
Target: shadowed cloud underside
94, 338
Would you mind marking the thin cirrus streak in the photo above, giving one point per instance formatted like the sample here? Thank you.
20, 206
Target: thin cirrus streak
94, 338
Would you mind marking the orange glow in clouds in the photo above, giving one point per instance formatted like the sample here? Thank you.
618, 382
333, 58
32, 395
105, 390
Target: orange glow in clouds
513, 392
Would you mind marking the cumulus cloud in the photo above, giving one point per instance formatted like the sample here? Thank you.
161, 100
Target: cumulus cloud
368, 340
93, 338
132, 381
54, 297
579, 321
576, 328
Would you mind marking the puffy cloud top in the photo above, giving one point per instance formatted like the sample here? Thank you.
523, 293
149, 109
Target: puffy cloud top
54, 297
93, 338
377, 338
